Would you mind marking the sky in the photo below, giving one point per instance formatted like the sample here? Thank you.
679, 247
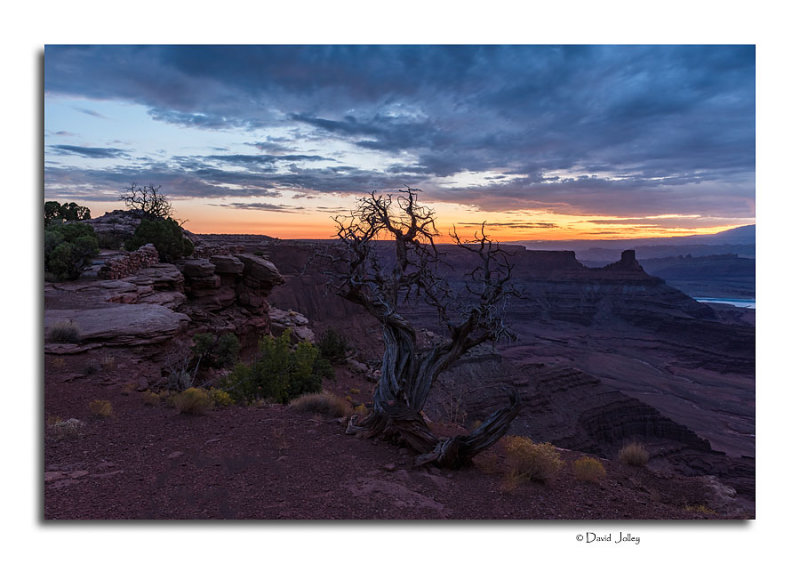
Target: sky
540, 142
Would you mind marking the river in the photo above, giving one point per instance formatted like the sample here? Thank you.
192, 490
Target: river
745, 303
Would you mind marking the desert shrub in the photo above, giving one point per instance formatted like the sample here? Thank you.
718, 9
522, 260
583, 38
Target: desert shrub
181, 373
195, 401
166, 236
112, 240
634, 454
100, 408
333, 346
151, 398
68, 248
324, 368
588, 469
526, 460
65, 332
324, 403
216, 350
227, 349
279, 372
221, 398
240, 383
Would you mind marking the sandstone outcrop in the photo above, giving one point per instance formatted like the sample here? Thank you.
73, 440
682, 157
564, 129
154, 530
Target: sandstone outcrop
115, 325
218, 293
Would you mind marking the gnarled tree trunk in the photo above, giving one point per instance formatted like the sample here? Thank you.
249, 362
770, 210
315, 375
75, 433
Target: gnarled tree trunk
406, 381
379, 284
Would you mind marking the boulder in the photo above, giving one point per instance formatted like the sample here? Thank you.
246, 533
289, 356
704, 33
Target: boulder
261, 270
227, 264
197, 268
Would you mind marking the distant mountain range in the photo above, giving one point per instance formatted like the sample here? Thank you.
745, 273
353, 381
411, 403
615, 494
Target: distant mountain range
739, 241
720, 265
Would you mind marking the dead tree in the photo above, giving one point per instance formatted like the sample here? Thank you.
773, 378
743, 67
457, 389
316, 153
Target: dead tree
388, 257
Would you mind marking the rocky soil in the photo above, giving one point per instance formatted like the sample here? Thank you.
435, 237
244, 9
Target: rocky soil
148, 461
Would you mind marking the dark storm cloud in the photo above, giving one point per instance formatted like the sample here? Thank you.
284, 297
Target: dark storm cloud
670, 128
91, 152
263, 160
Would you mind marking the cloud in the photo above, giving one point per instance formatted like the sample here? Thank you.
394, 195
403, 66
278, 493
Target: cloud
260, 206
592, 195
90, 152
575, 129
106, 184
513, 225
91, 113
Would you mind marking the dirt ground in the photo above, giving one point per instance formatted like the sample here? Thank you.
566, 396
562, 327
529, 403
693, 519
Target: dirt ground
271, 462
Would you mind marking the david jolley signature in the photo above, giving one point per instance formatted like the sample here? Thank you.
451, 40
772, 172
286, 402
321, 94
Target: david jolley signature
590, 537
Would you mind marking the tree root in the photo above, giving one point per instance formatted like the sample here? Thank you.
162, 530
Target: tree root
402, 425
458, 451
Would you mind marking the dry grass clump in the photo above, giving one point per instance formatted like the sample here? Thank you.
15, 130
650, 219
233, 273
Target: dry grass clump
69, 429
634, 454
100, 408
701, 509
151, 398
588, 469
194, 401
108, 362
65, 332
324, 403
526, 460
58, 363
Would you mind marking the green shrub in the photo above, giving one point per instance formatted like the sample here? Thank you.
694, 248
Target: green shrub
217, 351
634, 454
165, 234
279, 372
195, 401
58, 213
324, 368
68, 248
526, 460
65, 332
333, 346
588, 469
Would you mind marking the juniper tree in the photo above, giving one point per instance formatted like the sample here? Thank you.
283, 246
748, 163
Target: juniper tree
387, 257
